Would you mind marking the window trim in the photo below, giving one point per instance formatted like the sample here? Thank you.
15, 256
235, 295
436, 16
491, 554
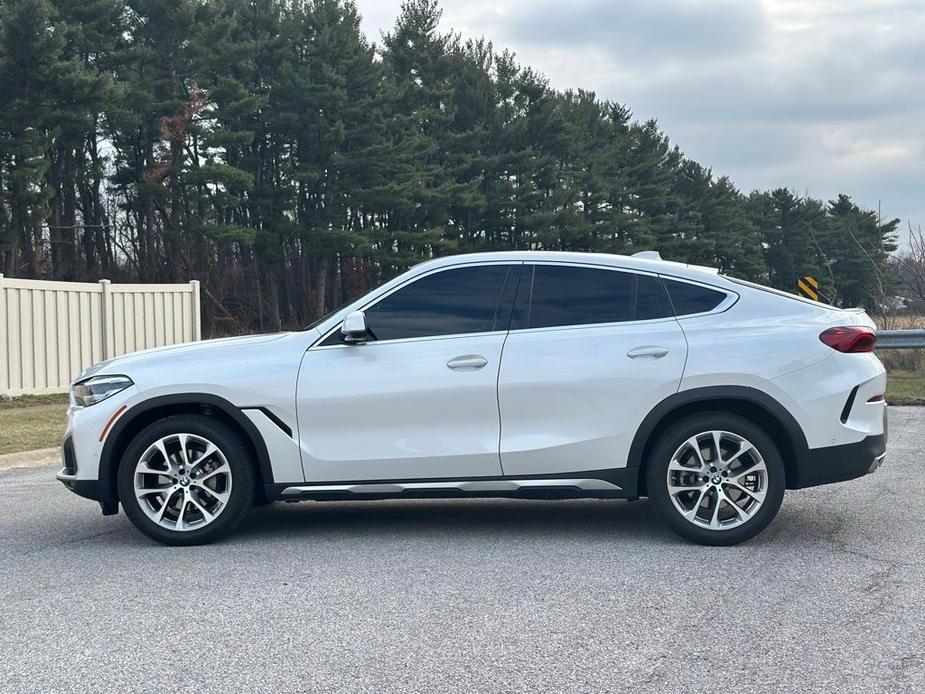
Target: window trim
516, 267
724, 305
732, 297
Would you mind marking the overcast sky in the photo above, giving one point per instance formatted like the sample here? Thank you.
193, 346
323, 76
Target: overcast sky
820, 96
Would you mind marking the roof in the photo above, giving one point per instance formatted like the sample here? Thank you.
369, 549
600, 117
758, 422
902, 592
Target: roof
645, 264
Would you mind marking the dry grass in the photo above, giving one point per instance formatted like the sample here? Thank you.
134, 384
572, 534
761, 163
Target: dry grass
7, 403
905, 388
26, 428
904, 365
904, 321
912, 360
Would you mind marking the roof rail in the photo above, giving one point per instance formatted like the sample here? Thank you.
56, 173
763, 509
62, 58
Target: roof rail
648, 255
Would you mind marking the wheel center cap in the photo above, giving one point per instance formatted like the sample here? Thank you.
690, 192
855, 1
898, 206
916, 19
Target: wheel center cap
717, 479
184, 481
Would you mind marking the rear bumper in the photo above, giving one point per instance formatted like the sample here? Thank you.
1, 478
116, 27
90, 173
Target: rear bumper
840, 463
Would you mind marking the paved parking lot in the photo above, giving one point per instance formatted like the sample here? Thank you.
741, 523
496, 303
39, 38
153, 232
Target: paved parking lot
497, 595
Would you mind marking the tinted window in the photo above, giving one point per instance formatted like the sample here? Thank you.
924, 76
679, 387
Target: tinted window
565, 295
651, 299
690, 298
464, 300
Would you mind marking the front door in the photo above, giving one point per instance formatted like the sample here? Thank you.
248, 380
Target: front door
419, 399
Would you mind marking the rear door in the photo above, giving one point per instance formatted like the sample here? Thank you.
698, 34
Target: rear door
591, 351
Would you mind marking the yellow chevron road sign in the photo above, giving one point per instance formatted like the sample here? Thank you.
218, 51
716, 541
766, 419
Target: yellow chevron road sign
808, 286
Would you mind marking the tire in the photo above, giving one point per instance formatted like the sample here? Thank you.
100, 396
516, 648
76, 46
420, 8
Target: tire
703, 511
186, 503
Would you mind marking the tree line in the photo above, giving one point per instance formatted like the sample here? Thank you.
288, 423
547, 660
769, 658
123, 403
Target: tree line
272, 151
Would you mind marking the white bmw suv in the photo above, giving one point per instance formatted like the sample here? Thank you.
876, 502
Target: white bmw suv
533, 375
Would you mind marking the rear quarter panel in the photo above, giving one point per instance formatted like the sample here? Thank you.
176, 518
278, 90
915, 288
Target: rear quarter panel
772, 343
760, 338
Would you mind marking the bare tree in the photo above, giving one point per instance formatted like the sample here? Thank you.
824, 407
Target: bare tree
911, 263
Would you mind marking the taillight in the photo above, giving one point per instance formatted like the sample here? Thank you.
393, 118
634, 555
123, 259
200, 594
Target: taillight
850, 339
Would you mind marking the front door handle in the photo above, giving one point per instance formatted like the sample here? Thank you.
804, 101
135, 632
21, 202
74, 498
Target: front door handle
467, 362
648, 352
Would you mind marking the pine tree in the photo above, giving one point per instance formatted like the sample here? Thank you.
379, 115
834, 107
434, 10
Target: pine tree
77, 221
713, 226
269, 149
328, 113
32, 51
419, 97
857, 246
790, 228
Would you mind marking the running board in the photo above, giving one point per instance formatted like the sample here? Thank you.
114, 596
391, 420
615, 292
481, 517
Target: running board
475, 487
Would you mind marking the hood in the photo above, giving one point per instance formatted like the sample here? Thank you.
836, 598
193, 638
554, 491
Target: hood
121, 364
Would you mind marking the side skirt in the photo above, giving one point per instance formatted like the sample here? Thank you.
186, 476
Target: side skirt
529, 488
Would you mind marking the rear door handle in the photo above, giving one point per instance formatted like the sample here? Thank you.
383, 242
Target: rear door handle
648, 352
467, 362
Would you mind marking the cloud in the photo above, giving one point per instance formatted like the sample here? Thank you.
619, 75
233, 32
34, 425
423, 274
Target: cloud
638, 29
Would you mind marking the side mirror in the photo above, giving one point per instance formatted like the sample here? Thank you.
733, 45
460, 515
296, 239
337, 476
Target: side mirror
354, 330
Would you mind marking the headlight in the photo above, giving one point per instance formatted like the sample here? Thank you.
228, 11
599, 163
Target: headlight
98, 388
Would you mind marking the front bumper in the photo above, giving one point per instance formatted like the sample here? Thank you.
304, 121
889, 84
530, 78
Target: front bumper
102, 491
840, 463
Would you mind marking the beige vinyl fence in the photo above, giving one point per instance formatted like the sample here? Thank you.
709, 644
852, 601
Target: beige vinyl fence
51, 331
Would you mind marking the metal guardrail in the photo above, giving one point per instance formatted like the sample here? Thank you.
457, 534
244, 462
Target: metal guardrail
900, 339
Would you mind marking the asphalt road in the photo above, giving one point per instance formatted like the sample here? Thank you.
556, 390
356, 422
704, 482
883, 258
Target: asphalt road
480, 596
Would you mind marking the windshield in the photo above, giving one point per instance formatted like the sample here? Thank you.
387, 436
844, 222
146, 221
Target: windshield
318, 321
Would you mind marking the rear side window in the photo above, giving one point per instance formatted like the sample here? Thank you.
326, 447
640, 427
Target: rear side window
651, 299
565, 295
462, 300
691, 298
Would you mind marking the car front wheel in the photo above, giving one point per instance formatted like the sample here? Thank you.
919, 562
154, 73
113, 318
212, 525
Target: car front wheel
716, 478
186, 480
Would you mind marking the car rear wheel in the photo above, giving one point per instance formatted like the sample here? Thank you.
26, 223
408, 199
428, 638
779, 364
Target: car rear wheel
716, 478
186, 480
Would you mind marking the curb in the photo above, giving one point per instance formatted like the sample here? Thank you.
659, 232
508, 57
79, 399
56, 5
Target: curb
40, 458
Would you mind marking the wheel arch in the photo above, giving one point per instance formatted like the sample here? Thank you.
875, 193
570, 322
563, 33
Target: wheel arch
145, 413
751, 403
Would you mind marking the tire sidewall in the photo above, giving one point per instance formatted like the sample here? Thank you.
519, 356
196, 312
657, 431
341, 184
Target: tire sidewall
671, 440
235, 452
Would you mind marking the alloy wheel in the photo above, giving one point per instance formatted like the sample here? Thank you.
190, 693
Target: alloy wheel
182, 482
717, 480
